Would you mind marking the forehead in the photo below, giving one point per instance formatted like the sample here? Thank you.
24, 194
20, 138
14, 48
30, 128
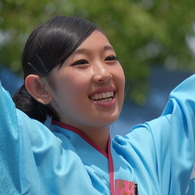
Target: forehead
96, 34
96, 40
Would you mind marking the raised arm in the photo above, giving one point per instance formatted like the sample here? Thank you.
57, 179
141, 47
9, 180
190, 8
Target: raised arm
9, 148
162, 151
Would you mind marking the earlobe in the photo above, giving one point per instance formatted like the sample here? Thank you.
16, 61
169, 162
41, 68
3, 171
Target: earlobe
37, 89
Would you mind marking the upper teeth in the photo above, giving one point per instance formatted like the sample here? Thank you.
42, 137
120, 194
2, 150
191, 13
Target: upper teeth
100, 96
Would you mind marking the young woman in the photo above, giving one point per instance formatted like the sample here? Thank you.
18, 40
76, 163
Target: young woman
72, 74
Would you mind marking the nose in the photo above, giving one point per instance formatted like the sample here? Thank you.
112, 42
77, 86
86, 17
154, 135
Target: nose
101, 72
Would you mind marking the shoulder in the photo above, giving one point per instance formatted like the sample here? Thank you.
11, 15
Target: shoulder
145, 132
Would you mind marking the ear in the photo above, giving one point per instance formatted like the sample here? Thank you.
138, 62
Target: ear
36, 87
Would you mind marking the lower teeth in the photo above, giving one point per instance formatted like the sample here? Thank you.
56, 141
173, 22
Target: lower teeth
106, 100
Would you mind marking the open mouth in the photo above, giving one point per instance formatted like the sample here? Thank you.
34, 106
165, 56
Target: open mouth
103, 97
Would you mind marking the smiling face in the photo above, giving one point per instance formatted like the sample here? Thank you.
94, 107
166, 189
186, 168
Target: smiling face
89, 86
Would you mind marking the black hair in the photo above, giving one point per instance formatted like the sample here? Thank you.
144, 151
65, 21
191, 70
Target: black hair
48, 46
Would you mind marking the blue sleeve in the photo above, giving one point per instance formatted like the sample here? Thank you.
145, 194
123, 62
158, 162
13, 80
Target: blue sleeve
24, 142
181, 112
9, 149
163, 150
174, 139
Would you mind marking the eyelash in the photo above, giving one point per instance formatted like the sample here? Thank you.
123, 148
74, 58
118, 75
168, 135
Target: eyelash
111, 58
80, 62
84, 62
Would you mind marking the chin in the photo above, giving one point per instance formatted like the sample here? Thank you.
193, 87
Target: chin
111, 119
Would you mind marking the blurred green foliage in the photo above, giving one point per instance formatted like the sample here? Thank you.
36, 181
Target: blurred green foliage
144, 33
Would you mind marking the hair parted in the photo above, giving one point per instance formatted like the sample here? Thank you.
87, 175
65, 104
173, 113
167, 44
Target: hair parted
48, 46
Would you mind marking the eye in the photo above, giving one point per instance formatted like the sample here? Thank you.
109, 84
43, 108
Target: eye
111, 58
80, 62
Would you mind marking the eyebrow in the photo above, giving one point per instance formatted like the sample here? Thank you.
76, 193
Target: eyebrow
105, 48
108, 47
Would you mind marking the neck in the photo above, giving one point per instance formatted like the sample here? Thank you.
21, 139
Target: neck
100, 138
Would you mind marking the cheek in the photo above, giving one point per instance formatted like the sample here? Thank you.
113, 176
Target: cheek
120, 81
74, 87
120, 77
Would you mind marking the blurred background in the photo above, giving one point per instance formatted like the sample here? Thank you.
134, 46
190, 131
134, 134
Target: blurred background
154, 39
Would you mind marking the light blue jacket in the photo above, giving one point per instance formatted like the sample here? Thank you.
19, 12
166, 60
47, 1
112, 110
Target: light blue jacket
159, 155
